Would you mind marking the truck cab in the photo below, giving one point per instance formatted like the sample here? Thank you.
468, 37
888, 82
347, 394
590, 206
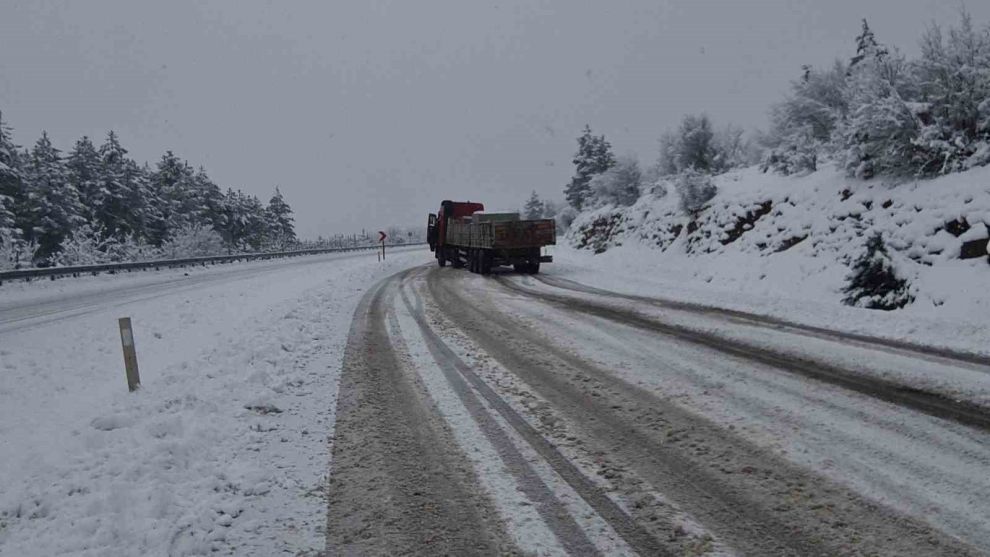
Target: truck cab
436, 229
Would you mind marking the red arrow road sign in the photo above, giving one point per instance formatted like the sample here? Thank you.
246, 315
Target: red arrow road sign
382, 236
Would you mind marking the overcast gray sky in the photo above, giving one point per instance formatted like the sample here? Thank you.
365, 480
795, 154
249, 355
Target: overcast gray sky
367, 114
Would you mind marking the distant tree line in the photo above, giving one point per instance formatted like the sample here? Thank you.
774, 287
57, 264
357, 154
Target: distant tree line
96, 204
875, 114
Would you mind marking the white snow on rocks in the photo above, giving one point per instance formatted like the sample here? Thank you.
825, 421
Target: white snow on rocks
782, 246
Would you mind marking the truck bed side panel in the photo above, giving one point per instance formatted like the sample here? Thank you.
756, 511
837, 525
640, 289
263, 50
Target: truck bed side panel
502, 235
524, 234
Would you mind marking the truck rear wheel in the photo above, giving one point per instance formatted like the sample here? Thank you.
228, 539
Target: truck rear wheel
485, 262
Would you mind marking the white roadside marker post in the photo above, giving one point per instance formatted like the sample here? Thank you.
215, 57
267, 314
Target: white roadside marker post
130, 354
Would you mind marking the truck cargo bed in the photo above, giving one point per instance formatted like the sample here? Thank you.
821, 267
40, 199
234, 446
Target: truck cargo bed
502, 234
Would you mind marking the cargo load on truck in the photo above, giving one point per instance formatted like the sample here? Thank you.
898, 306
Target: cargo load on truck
464, 235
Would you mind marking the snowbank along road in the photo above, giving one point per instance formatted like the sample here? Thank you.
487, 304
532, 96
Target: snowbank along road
533, 415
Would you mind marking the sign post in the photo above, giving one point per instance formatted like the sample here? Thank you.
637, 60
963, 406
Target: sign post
381, 238
130, 354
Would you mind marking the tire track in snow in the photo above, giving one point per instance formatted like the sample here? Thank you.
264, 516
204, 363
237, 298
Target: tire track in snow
751, 499
398, 482
460, 376
926, 402
934, 353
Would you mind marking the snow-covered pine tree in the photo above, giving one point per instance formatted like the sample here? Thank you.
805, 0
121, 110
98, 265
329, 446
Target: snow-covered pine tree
879, 134
255, 222
245, 224
279, 217
173, 182
207, 199
11, 186
53, 203
534, 207
154, 210
867, 47
83, 172
594, 156
229, 225
121, 203
873, 282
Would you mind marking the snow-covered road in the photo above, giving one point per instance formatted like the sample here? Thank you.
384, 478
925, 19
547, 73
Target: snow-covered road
589, 423
470, 414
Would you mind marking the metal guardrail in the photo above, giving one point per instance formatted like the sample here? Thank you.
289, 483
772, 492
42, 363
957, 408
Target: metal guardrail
75, 271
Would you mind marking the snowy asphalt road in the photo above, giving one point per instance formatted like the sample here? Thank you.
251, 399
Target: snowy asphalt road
19, 313
520, 414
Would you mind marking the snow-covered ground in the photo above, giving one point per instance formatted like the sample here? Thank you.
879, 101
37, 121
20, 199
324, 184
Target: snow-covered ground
224, 448
782, 246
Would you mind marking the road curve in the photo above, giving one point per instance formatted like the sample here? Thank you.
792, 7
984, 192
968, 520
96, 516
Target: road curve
545, 422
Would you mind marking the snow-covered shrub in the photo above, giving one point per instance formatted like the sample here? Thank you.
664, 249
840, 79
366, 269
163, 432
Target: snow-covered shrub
193, 241
11, 251
599, 231
733, 149
84, 246
281, 242
697, 145
795, 154
130, 249
619, 185
873, 282
550, 209
695, 189
658, 187
692, 146
954, 77
980, 157
565, 217
815, 106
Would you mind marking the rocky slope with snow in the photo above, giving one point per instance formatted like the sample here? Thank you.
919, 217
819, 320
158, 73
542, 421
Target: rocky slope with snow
798, 236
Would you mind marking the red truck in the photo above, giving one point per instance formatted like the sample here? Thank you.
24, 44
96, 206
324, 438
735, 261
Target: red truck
462, 234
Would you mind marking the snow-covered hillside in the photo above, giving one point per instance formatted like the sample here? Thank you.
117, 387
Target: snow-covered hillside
772, 237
